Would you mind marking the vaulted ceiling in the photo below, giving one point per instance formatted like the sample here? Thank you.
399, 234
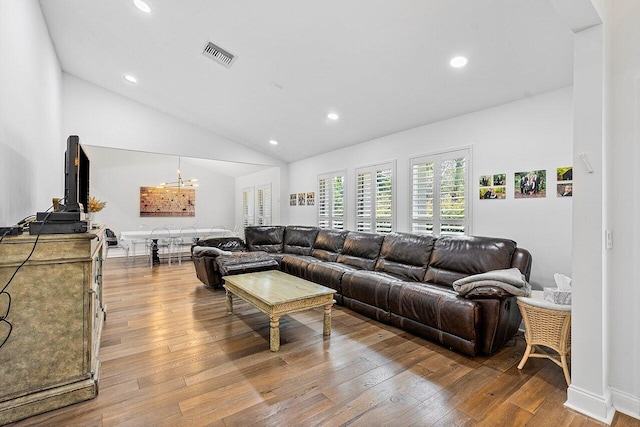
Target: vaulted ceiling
382, 66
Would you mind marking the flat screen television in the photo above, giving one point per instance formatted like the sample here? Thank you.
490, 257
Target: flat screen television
76, 183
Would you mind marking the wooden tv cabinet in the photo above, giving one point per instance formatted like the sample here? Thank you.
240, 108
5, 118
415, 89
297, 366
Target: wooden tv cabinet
51, 357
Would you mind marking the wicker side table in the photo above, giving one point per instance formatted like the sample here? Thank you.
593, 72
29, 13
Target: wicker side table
549, 325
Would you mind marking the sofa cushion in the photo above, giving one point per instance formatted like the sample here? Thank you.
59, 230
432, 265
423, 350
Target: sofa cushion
245, 262
369, 287
360, 250
233, 244
455, 257
299, 239
405, 256
297, 265
438, 308
328, 244
268, 238
328, 274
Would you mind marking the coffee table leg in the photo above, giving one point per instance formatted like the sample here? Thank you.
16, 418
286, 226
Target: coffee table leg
229, 302
274, 334
326, 324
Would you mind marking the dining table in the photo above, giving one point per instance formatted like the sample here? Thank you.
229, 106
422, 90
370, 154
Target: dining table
188, 233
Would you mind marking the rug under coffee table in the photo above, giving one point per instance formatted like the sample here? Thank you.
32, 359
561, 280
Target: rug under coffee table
276, 293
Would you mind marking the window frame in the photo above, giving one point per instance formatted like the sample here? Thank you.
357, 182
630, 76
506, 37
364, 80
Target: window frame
248, 206
437, 221
264, 217
374, 219
331, 218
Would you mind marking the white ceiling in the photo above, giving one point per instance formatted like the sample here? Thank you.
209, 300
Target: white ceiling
381, 64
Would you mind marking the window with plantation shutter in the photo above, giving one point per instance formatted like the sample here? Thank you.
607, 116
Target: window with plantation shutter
247, 206
330, 200
374, 199
440, 193
263, 214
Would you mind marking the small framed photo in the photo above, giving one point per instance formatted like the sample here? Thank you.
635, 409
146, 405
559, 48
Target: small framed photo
500, 180
564, 189
485, 180
293, 199
311, 198
302, 197
493, 193
564, 174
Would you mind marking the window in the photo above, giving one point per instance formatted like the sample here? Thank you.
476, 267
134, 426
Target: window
331, 200
247, 206
374, 198
263, 214
440, 193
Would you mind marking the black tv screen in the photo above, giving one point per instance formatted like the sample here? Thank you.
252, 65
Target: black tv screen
76, 184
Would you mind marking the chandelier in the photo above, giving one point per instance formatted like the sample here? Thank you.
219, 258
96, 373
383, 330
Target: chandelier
180, 183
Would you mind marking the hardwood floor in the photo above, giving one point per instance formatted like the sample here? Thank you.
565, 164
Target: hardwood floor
171, 356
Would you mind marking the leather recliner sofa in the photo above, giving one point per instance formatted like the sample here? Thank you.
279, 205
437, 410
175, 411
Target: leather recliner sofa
402, 279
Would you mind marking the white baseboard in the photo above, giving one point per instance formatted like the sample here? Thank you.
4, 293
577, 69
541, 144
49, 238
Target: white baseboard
591, 405
625, 403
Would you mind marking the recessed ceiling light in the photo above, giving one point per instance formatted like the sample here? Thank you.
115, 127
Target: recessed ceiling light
332, 116
458, 62
130, 78
273, 142
142, 6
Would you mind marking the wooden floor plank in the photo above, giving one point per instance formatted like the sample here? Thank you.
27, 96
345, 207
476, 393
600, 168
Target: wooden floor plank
172, 356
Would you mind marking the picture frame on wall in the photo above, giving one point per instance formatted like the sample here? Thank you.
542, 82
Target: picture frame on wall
311, 198
485, 180
564, 176
493, 193
530, 184
302, 197
293, 199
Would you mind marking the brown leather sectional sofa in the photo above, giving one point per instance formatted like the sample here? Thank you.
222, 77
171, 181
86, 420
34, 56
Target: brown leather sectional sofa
400, 279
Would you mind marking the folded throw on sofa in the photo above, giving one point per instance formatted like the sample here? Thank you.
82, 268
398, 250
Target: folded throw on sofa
510, 279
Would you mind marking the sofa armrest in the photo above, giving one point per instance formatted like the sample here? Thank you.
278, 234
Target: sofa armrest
488, 292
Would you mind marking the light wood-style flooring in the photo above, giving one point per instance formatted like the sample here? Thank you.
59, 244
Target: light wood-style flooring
171, 356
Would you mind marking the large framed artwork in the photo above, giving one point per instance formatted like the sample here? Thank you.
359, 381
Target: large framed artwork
530, 184
167, 201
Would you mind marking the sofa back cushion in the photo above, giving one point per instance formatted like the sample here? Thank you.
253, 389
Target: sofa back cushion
233, 244
298, 239
328, 244
405, 256
268, 238
360, 250
455, 257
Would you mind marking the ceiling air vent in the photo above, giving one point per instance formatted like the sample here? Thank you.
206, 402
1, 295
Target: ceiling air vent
219, 55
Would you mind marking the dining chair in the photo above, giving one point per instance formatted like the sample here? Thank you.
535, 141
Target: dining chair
158, 245
186, 238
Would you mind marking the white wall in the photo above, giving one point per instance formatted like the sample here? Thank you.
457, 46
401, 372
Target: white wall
31, 146
103, 118
117, 175
622, 32
532, 134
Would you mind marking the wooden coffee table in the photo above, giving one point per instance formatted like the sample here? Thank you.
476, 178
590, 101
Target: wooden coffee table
276, 293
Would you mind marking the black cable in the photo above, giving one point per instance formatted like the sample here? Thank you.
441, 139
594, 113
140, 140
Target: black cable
3, 318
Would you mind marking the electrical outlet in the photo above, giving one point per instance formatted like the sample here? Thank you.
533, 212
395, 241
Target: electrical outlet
608, 234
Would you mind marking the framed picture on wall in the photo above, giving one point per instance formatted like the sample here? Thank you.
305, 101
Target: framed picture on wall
293, 199
530, 184
167, 202
302, 199
485, 180
493, 193
311, 198
564, 176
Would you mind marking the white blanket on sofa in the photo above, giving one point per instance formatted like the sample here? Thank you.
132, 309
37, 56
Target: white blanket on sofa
510, 279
